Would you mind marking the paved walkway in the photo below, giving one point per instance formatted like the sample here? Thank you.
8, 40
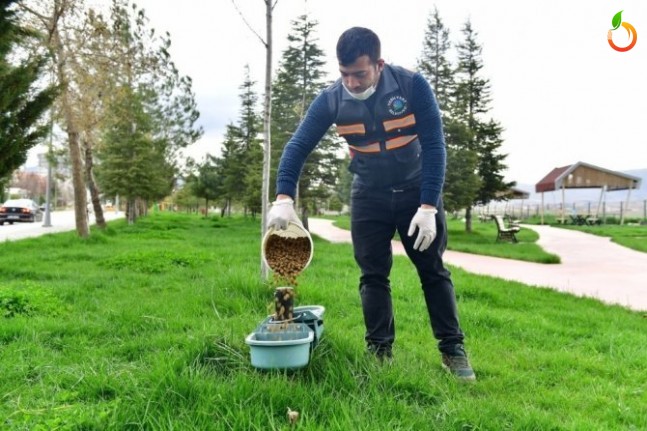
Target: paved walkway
592, 266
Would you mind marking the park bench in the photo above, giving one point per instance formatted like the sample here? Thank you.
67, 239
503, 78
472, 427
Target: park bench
593, 220
587, 220
483, 218
511, 221
505, 233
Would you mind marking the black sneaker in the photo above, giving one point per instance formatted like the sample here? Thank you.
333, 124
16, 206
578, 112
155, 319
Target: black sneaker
456, 362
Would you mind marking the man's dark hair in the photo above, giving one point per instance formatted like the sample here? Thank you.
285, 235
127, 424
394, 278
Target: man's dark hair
356, 42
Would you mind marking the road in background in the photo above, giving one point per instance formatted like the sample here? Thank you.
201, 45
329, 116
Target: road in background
61, 221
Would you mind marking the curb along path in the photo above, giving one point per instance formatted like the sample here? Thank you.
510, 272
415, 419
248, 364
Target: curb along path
592, 266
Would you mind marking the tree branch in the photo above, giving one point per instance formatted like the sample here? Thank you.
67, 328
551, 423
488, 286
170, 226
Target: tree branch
32, 11
247, 23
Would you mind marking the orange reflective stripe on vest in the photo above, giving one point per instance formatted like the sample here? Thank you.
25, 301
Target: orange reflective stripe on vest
370, 148
400, 141
351, 129
406, 121
391, 144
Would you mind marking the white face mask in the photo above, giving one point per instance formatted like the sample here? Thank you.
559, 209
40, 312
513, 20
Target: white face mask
363, 95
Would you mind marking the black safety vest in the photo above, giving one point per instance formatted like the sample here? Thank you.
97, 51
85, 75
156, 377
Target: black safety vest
381, 131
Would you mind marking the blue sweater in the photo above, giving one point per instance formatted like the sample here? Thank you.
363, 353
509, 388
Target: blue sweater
318, 120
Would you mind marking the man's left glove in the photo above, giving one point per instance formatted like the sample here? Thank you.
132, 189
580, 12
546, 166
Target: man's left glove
425, 221
281, 213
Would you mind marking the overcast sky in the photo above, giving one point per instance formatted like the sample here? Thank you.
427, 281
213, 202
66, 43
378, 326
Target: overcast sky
558, 89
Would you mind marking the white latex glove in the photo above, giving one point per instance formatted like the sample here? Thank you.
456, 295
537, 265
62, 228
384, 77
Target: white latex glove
281, 213
425, 221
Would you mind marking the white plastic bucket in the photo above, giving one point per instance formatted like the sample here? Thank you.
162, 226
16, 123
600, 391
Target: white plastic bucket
293, 230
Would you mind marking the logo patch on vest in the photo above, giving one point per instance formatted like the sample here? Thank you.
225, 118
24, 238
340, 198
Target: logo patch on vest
397, 105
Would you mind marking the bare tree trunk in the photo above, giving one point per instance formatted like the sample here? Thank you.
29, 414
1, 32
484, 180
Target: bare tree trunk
140, 208
304, 217
80, 201
94, 190
131, 211
468, 219
267, 115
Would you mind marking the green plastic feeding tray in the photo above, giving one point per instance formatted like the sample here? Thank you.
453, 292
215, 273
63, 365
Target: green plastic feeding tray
280, 345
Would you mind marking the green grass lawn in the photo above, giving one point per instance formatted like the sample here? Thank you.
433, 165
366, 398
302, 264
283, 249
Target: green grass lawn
142, 328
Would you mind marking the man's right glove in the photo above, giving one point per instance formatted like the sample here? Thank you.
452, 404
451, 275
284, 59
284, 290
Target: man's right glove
281, 213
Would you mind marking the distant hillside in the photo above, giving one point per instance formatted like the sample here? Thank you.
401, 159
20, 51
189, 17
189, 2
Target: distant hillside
591, 195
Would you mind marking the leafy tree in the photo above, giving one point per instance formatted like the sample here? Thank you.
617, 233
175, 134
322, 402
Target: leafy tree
299, 79
207, 183
54, 21
22, 102
185, 198
164, 109
90, 76
335, 204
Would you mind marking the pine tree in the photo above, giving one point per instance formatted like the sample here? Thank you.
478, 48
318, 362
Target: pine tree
230, 167
250, 127
240, 165
299, 80
207, 184
461, 180
471, 103
491, 163
253, 179
22, 103
133, 163
434, 63
472, 94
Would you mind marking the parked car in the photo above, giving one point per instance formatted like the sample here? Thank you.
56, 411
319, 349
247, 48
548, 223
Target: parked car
20, 210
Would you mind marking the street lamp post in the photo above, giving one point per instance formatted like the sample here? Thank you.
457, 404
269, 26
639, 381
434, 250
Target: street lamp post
47, 221
48, 193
